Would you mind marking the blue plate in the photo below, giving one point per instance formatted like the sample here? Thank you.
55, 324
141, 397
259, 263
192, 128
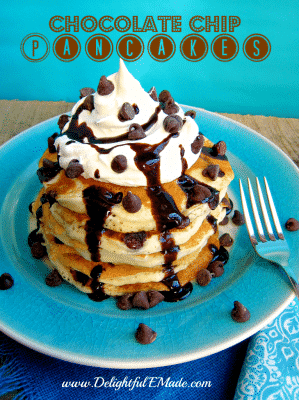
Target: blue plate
65, 323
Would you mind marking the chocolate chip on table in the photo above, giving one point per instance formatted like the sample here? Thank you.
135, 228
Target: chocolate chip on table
224, 221
136, 132
119, 164
6, 281
131, 203
74, 169
145, 335
135, 240
164, 96
140, 300
203, 277
239, 312
126, 112
153, 93
88, 103
86, 91
292, 224
154, 298
216, 268
220, 148
105, 87
51, 141
63, 119
238, 218
211, 171
125, 302
172, 123
171, 107
38, 251
197, 145
191, 113
54, 278
226, 240
200, 193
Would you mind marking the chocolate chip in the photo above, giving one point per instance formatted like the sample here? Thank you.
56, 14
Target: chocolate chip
136, 108
200, 193
153, 93
105, 87
164, 96
240, 313
171, 107
224, 221
226, 203
119, 164
97, 174
216, 268
145, 335
51, 141
86, 91
197, 145
48, 164
88, 103
203, 277
238, 218
220, 148
63, 119
131, 203
140, 300
292, 224
136, 132
172, 123
226, 240
191, 113
125, 302
212, 171
38, 251
57, 241
126, 112
6, 281
74, 169
54, 278
135, 240
154, 298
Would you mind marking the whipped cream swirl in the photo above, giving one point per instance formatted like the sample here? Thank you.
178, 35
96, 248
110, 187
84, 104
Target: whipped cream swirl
97, 155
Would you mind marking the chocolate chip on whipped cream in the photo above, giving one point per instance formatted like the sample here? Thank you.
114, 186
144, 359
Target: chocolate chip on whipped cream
190, 113
196, 146
212, 171
145, 335
86, 91
131, 203
63, 119
164, 96
51, 141
74, 169
126, 112
119, 164
153, 93
105, 86
173, 123
171, 107
89, 103
136, 132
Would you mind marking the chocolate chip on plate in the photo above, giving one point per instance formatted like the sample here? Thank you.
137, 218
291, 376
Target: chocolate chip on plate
220, 148
240, 313
140, 300
145, 335
211, 171
292, 224
154, 298
119, 164
131, 203
197, 145
216, 268
74, 169
153, 93
135, 240
171, 107
125, 302
226, 240
38, 251
191, 113
126, 112
203, 277
164, 96
224, 221
86, 91
63, 119
136, 132
6, 281
172, 123
238, 218
54, 278
105, 87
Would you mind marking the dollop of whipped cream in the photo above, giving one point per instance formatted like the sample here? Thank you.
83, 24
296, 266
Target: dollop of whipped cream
97, 157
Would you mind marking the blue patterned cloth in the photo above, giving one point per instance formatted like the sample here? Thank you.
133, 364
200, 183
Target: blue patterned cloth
271, 367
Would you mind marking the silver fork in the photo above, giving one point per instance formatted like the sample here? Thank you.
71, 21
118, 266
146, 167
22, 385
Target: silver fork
275, 250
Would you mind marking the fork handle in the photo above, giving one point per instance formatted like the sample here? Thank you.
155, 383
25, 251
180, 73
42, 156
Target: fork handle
290, 274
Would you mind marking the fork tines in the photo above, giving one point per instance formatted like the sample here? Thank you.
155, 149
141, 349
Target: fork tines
256, 213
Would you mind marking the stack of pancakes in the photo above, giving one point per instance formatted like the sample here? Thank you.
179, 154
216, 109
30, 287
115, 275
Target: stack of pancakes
108, 239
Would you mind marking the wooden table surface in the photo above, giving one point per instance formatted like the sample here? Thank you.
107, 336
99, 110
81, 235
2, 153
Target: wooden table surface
16, 116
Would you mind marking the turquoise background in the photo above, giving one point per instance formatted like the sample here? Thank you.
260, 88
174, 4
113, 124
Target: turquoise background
270, 87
